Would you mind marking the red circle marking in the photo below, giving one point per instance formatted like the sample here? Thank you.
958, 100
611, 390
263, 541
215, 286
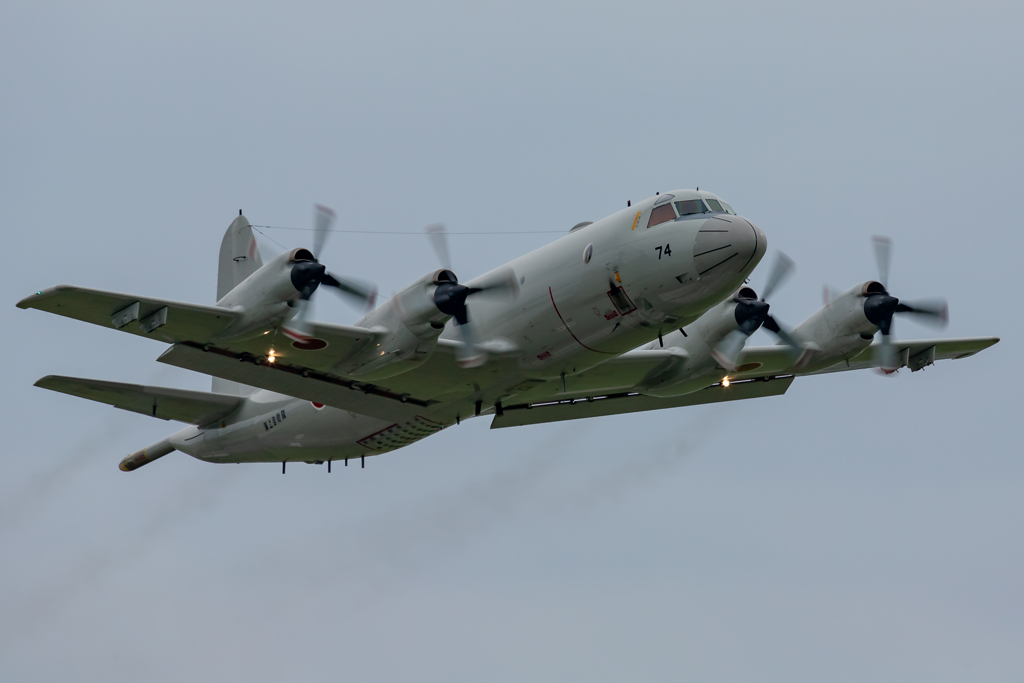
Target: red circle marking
310, 345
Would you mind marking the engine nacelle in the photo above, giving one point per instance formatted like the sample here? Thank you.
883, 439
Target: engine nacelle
694, 366
266, 298
412, 323
840, 328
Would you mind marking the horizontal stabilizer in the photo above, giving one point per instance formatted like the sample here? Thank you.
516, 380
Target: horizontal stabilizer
167, 321
516, 416
193, 407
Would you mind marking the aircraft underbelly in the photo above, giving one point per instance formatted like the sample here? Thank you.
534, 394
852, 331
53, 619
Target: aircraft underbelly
296, 431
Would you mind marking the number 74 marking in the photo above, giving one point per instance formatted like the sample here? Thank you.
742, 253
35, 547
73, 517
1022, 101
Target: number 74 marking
667, 251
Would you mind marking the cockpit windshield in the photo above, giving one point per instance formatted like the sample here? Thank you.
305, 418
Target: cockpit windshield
661, 214
663, 210
689, 207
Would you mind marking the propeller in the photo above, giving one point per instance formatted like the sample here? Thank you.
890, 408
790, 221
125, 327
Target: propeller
751, 314
829, 294
451, 297
308, 275
880, 307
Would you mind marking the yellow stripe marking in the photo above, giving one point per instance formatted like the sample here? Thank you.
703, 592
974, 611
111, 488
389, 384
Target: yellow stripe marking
635, 219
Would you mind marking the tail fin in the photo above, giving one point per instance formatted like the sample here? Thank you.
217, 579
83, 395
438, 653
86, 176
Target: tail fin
239, 258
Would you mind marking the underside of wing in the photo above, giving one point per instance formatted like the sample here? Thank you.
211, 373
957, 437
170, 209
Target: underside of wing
193, 407
768, 361
166, 321
286, 375
915, 354
329, 346
617, 375
616, 404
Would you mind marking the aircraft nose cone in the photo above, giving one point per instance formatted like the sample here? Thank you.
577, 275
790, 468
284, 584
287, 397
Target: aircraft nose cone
728, 247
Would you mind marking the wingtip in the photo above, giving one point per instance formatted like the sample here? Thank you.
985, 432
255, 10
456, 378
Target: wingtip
41, 294
42, 382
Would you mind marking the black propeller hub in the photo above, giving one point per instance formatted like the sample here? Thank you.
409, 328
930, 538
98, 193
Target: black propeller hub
306, 276
750, 315
879, 309
450, 299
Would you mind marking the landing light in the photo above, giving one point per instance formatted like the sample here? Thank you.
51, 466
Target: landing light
725, 381
271, 358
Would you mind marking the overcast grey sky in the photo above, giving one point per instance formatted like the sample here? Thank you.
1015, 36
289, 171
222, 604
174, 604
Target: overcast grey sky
859, 528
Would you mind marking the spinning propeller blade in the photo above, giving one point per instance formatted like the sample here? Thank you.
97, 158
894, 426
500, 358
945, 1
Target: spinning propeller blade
881, 307
752, 314
883, 258
450, 297
781, 270
308, 275
438, 236
322, 221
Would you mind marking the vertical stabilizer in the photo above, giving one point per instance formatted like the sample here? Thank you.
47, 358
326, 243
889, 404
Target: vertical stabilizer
239, 258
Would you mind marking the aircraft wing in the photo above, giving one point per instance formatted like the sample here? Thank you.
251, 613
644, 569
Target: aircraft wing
289, 375
194, 407
167, 321
196, 324
519, 415
616, 375
915, 354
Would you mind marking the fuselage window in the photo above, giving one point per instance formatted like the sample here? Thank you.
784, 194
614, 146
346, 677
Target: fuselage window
690, 207
715, 206
661, 214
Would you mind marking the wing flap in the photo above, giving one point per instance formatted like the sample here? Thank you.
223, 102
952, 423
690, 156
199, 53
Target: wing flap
193, 407
168, 321
516, 416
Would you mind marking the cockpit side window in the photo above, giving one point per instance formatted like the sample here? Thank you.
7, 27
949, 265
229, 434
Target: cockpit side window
728, 208
661, 214
715, 206
690, 207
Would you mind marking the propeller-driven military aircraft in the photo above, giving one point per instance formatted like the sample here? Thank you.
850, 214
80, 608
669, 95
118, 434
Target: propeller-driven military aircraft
646, 309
